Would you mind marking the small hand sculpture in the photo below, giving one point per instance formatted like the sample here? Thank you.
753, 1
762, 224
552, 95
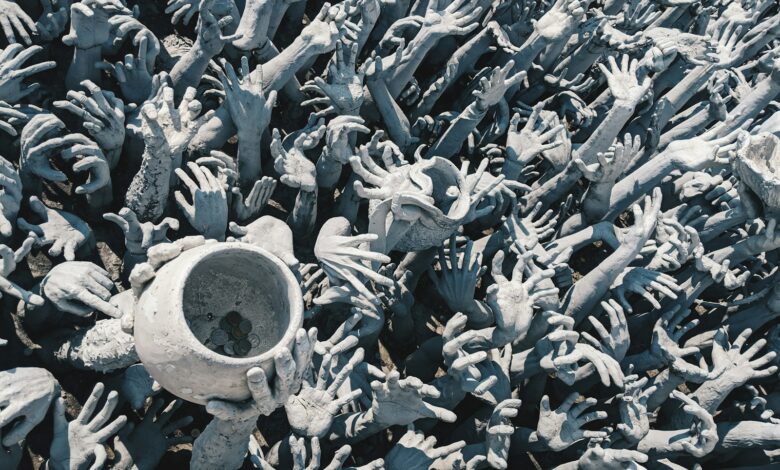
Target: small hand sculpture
702, 437
75, 444
51, 24
63, 230
10, 196
89, 158
12, 75
249, 208
562, 427
599, 458
25, 396
141, 446
133, 74
289, 368
80, 287
414, 450
208, 213
400, 401
644, 281
512, 301
614, 341
343, 92
249, 108
102, 114
665, 344
10, 259
462, 365
499, 432
342, 257
137, 385
522, 145
623, 80
458, 280
140, 236
294, 168
89, 26
494, 88
310, 412
13, 17
633, 408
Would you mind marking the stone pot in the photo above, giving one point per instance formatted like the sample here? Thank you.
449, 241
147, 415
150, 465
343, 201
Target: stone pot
192, 295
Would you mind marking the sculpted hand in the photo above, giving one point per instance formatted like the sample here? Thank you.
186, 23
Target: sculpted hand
512, 301
598, 458
633, 408
344, 257
461, 364
560, 428
458, 280
208, 213
311, 411
522, 145
613, 163
13, 17
678, 245
561, 20
80, 287
665, 345
89, 26
702, 437
499, 433
643, 281
75, 444
141, 446
25, 396
269, 233
140, 236
493, 88
10, 196
133, 74
249, 108
138, 385
738, 366
12, 73
89, 158
623, 80
556, 351
294, 168
63, 230
9, 260
249, 208
212, 33
51, 24
401, 401
267, 396
182, 10
606, 366
414, 451
342, 93
337, 138
458, 18
102, 114
325, 30
167, 129
614, 341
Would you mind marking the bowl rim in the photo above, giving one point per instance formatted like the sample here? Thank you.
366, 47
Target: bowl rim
206, 251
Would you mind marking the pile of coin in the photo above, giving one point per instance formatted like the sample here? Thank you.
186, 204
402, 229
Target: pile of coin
233, 336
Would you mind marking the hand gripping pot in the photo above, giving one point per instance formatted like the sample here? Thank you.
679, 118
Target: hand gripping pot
191, 296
